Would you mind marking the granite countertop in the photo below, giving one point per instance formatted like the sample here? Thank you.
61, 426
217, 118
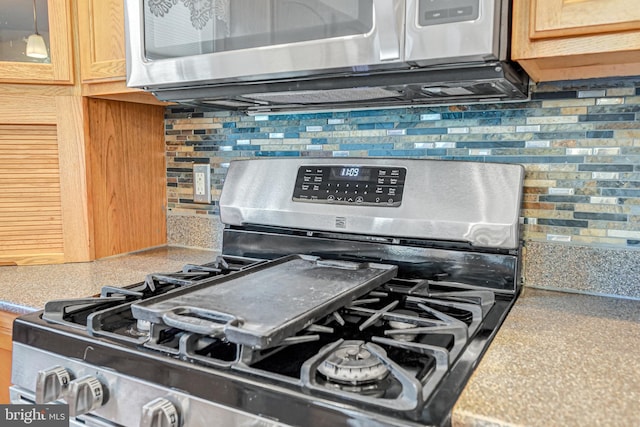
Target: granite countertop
28, 288
560, 359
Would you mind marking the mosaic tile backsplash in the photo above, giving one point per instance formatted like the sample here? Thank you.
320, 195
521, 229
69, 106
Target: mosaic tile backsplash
579, 142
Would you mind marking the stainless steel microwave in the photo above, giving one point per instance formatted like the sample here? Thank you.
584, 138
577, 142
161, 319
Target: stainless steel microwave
265, 55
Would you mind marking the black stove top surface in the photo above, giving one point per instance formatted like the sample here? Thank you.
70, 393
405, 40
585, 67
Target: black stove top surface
399, 355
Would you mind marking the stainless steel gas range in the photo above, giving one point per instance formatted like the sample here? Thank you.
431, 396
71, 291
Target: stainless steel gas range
358, 292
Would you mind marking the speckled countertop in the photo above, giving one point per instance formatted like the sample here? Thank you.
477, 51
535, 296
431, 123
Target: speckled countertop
25, 288
560, 359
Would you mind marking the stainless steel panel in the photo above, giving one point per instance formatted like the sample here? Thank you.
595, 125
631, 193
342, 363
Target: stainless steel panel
382, 44
478, 203
466, 41
263, 305
126, 395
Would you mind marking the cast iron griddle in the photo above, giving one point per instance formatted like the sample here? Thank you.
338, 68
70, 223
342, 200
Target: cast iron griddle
261, 306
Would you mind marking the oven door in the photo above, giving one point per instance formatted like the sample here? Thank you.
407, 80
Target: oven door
177, 43
454, 31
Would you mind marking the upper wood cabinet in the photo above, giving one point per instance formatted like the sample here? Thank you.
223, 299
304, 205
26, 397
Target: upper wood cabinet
101, 37
60, 69
101, 28
576, 39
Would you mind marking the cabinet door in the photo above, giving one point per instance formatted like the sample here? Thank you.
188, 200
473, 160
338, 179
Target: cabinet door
59, 69
576, 39
6, 322
101, 27
30, 204
562, 18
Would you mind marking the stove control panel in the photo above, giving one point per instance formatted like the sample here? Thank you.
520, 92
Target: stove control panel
350, 185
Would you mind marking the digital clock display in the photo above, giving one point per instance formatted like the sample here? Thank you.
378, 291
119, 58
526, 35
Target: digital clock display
354, 173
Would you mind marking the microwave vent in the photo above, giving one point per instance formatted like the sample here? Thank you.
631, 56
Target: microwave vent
325, 96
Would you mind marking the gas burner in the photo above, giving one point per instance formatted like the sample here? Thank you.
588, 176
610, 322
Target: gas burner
140, 329
352, 363
400, 325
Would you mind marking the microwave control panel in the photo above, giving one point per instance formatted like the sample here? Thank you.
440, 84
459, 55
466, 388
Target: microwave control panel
434, 12
350, 185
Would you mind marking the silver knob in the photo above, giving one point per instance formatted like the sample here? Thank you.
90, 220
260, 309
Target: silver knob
160, 413
51, 384
85, 394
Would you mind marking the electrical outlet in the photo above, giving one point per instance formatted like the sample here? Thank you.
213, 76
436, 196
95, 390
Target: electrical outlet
201, 183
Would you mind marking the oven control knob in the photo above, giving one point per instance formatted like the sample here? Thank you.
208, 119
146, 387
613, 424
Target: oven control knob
85, 394
160, 413
51, 384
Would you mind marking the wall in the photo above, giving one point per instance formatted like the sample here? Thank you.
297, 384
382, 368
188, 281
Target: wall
579, 142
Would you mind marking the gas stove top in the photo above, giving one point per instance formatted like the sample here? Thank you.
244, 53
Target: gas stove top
293, 325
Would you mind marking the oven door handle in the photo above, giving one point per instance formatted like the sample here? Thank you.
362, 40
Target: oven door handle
387, 14
198, 321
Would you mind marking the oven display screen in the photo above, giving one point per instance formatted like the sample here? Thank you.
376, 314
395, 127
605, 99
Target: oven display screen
354, 173
350, 185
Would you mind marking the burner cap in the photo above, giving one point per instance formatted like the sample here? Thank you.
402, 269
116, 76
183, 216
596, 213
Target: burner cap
397, 324
352, 363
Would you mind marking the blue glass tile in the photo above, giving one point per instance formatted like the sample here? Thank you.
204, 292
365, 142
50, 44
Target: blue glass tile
620, 192
229, 125
600, 216
318, 141
594, 167
366, 126
600, 134
482, 114
277, 153
354, 147
427, 131
559, 135
368, 113
246, 147
618, 184
633, 242
436, 151
614, 109
563, 222
408, 125
451, 116
490, 122
607, 117
563, 199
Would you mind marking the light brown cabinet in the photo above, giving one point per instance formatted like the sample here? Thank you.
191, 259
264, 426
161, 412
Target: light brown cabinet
60, 68
82, 178
6, 322
84, 169
102, 52
576, 39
